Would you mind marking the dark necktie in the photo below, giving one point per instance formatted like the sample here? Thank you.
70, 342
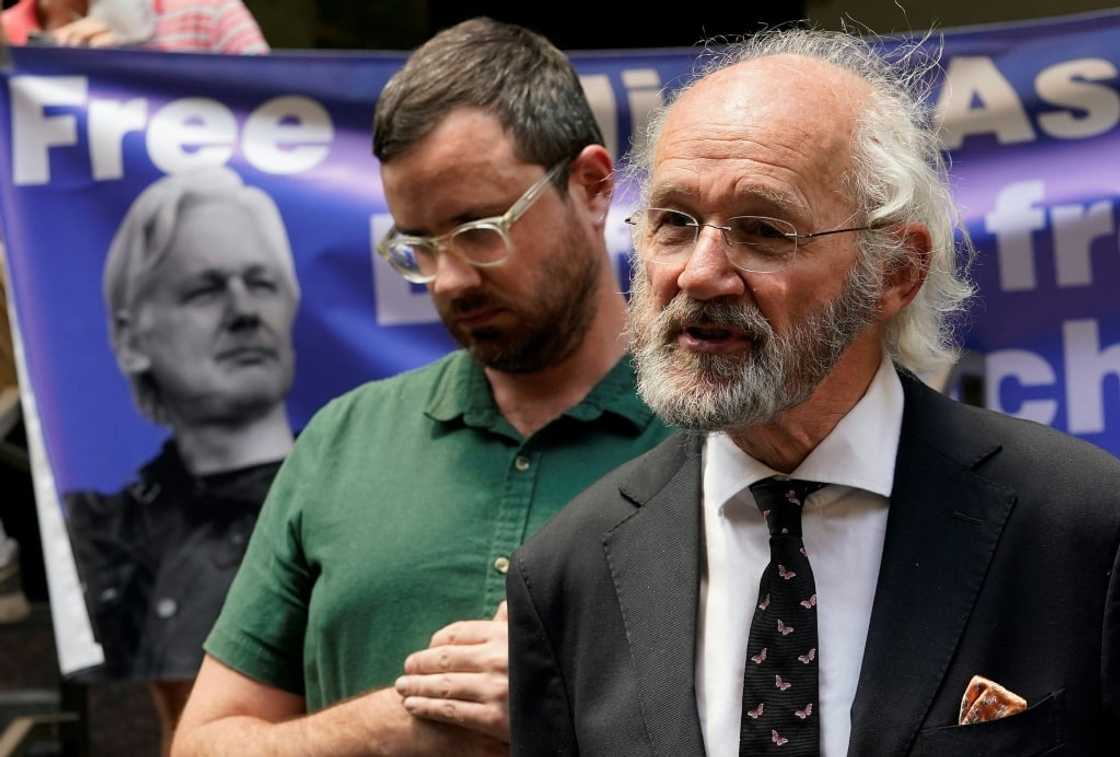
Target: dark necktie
780, 705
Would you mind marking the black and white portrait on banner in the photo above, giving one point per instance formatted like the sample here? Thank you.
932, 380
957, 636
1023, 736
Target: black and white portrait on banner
200, 295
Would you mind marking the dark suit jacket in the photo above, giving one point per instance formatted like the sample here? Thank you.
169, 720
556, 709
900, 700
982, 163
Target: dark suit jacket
1000, 559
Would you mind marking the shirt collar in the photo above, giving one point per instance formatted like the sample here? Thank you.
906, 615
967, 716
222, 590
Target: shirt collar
462, 391
859, 452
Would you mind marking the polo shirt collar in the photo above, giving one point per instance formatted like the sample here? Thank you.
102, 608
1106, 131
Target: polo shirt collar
462, 391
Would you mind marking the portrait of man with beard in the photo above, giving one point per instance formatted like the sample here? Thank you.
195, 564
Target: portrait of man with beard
200, 293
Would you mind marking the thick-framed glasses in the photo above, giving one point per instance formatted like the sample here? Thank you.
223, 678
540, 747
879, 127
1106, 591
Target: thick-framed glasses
484, 243
756, 244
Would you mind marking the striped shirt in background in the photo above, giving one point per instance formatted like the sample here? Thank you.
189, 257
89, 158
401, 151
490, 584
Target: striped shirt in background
217, 26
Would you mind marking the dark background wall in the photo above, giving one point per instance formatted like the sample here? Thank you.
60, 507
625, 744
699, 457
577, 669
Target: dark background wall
886, 16
404, 24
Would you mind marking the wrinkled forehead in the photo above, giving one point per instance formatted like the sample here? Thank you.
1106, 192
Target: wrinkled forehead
787, 115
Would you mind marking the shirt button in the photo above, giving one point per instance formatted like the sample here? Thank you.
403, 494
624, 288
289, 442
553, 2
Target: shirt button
502, 565
166, 607
521, 463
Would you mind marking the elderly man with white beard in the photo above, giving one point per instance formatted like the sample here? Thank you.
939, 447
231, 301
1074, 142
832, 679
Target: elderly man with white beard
829, 553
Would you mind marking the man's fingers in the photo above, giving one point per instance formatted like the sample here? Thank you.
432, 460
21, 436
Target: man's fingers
469, 632
503, 612
470, 687
458, 658
491, 720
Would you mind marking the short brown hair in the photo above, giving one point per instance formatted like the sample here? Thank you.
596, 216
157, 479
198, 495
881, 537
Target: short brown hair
503, 69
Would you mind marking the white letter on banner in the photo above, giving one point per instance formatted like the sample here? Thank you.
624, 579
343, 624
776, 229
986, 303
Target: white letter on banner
33, 133
600, 95
1030, 370
1064, 84
643, 94
1000, 112
287, 135
109, 121
1086, 368
397, 303
191, 133
1075, 228
1012, 221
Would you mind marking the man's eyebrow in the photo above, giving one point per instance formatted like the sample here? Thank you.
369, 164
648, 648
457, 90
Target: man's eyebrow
215, 274
667, 192
782, 200
477, 213
481, 212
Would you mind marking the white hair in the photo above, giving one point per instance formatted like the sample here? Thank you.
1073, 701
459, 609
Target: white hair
898, 175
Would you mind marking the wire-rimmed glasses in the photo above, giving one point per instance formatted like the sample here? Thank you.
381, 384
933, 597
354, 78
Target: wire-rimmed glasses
757, 244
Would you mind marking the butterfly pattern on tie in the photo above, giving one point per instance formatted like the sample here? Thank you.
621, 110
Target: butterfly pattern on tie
780, 681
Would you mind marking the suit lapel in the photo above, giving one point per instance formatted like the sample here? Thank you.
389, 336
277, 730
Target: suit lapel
654, 557
942, 529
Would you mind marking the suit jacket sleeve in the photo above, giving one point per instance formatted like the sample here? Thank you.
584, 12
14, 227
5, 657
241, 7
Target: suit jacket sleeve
540, 714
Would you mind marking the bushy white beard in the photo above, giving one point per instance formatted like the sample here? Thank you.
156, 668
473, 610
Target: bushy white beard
713, 392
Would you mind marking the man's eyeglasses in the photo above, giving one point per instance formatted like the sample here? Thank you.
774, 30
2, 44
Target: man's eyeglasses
484, 243
756, 244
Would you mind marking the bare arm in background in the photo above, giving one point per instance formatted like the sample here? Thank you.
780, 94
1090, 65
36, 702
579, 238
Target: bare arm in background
460, 680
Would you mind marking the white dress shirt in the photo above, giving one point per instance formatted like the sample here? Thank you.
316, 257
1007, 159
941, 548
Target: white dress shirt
843, 526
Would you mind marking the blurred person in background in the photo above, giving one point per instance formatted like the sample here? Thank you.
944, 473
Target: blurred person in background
216, 26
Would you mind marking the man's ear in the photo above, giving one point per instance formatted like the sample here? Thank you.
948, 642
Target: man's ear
131, 358
591, 181
902, 282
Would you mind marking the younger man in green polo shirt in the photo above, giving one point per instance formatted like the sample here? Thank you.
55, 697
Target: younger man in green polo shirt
396, 513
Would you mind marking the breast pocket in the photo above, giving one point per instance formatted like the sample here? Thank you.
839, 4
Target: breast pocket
1031, 733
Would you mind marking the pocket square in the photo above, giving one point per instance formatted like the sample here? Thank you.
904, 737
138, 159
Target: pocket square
986, 700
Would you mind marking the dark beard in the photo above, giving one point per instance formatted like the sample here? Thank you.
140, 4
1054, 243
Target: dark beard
552, 327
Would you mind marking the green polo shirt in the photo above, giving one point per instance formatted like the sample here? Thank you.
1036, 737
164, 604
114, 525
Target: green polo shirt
396, 514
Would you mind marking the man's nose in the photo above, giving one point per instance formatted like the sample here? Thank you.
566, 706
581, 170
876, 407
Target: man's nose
453, 275
708, 273
242, 308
